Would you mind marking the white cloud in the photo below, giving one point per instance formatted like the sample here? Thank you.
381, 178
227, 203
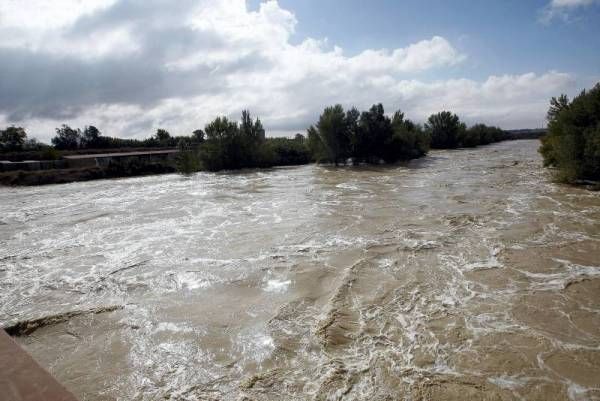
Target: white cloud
45, 15
562, 9
570, 3
130, 66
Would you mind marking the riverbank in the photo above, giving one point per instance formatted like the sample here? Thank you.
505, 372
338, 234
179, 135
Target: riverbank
64, 176
78, 166
85, 167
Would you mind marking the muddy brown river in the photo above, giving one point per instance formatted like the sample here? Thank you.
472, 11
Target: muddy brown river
466, 275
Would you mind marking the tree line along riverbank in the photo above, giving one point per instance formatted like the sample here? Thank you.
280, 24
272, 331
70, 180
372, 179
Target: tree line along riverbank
571, 147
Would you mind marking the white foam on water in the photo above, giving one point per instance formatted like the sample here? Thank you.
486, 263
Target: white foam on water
277, 286
192, 281
577, 392
508, 382
255, 345
173, 327
558, 281
63, 242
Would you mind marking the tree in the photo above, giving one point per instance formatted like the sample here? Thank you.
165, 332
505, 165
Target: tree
287, 152
572, 143
369, 137
409, 141
67, 138
12, 138
163, 137
232, 146
556, 106
90, 137
188, 159
252, 130
375, 130
198, 136
354, 134
316, 146
333, 133
445, 129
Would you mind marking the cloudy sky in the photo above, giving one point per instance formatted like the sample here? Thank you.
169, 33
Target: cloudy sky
131, 66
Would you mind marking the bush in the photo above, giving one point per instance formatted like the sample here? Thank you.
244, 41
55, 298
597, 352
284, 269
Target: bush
572, 143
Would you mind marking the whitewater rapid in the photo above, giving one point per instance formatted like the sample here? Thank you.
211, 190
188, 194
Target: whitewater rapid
466, 274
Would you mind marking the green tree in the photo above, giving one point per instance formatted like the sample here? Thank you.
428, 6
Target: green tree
409, 141
287, 152
232, 146
445, 130
316, 145
90, 137
556, 106
354, 135
332, 131
188, 159
198, 136
375, 133
67, 138
370, 136
12, 138
163, 137
572, 143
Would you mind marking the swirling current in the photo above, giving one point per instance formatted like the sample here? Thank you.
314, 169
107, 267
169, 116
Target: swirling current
467, 274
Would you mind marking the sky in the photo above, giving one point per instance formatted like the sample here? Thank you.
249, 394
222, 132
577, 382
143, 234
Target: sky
130, 67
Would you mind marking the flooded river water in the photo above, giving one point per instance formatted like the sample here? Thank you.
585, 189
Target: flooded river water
466, 275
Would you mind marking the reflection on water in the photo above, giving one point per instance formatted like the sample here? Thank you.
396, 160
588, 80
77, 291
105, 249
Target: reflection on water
464, 275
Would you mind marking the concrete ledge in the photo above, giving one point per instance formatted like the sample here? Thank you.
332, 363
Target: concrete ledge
22, 379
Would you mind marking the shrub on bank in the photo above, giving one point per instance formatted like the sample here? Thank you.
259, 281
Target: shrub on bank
572, 143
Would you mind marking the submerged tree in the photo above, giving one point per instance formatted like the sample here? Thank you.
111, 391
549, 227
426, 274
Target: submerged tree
333, 133
232, 146
445, 129
370, 136
448, 132
188, 159
409, 140
375, 130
